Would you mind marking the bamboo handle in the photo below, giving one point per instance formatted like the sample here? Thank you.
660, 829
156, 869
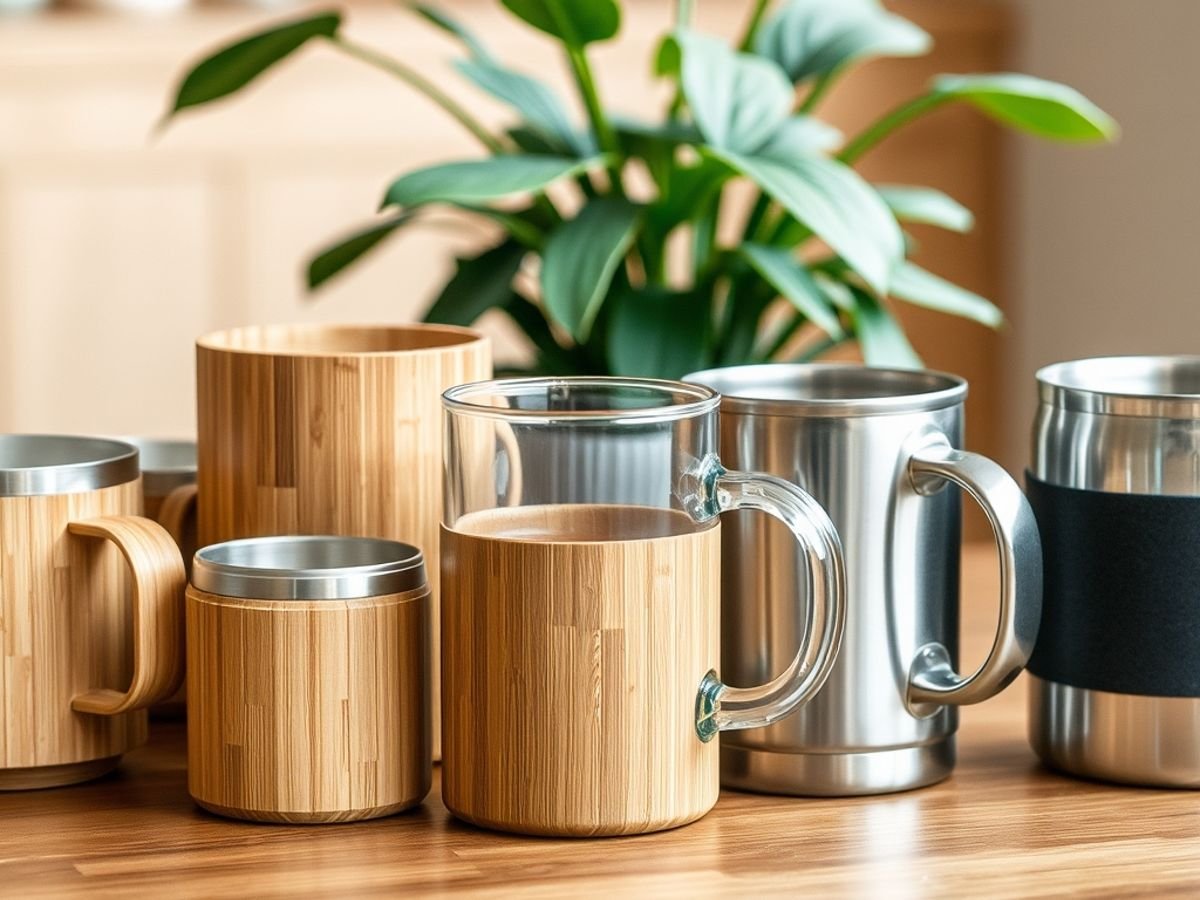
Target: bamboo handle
175, 510
158, 585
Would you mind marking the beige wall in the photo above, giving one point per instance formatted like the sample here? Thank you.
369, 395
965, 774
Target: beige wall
1104, 243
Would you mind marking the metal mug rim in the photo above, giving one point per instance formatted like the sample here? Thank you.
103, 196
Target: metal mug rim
1112, 389
91, 463
394, 568
159, 480
941, 390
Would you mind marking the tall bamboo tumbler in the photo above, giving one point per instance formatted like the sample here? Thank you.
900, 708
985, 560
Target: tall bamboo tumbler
91, 629
308, 679
330, 429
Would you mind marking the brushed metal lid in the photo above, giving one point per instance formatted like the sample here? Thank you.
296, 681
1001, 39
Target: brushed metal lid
36, 464
166, 463
1165, 387
320, 567
830, 389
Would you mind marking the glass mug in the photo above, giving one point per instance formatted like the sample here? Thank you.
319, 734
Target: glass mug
581, 604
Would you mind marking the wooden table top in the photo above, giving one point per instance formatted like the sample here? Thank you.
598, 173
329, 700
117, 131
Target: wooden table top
1001, 826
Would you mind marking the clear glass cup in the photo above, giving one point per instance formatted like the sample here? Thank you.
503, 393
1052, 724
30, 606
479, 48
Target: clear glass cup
582, 510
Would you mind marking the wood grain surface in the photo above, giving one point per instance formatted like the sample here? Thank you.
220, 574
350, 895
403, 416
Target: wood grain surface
176, 512
1001, 827
330, 429
82, 653
308, 710
578, 647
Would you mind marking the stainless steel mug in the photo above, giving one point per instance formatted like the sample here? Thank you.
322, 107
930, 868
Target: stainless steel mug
1115, 482
876, 448
169, 487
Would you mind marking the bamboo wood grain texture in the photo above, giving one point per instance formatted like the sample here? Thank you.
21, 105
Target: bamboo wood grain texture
326, 429
85, 644
571, 664
176, 512
1000, 827
308, 711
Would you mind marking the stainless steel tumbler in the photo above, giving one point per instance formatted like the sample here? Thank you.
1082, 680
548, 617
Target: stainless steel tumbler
1115, 481
876, 447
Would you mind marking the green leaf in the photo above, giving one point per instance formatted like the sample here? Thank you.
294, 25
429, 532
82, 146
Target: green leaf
452, 26
882, 339
574, 22
553, 358
801, 136
738, 100
350, 248
580, 259
479, 284
791, 279
479, 180
656, 333
686, 195
519, 223
1040, 107
914, 284
536, 103
233, 67
926, 206
835, 204
808, 38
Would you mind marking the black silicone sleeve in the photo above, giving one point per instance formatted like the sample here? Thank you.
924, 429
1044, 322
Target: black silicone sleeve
1121, 610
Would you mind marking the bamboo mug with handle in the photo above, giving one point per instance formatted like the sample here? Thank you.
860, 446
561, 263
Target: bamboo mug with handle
169, 491
79, 566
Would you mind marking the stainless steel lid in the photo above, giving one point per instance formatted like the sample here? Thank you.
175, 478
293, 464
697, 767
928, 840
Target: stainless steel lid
166, 464
32, 464
1165, 387
830, 389
308, 568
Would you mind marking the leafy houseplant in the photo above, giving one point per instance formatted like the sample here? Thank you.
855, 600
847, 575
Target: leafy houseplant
821, 252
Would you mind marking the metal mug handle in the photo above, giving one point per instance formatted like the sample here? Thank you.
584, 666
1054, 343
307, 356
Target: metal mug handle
932, 679
720, 707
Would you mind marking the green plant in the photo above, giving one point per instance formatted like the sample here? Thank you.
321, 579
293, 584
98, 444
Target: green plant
819, 243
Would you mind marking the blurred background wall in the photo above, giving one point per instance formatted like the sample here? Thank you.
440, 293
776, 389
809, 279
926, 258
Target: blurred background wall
1101, 245
119, 246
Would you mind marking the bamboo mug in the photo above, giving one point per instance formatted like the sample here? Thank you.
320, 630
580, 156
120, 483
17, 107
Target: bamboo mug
169, 493
330, 429
308, 679
581, 604
78, 565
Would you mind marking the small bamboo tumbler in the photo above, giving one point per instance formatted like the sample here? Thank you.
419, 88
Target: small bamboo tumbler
308, 679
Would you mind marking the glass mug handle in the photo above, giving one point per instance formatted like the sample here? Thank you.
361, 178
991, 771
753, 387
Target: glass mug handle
932, 680
720, 707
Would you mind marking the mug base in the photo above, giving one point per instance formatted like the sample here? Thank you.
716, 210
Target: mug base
578, 830
1125, 738
329, 817
35, 778
836, 774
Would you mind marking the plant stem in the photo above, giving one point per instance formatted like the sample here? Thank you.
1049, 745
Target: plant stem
818, 91
756, 17
606, 136
781, 340
901, 115
826, 343
683, 12
417, 81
